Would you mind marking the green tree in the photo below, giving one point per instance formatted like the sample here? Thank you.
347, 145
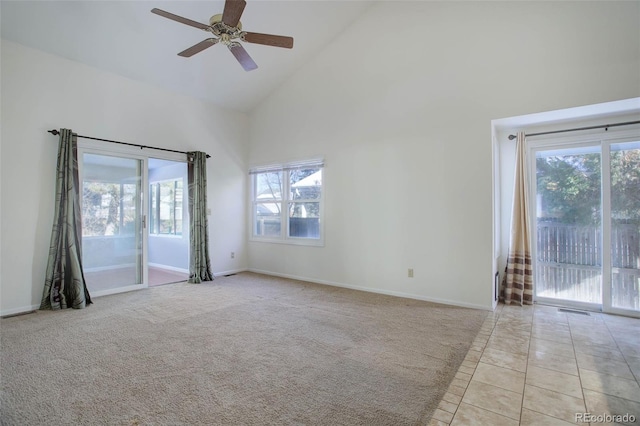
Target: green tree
100, 208
569, 186
625, 186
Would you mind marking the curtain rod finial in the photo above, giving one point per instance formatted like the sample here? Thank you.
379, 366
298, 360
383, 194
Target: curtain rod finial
512, 137
53, 132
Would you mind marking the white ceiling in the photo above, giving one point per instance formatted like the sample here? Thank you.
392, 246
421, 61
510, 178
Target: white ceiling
125, 38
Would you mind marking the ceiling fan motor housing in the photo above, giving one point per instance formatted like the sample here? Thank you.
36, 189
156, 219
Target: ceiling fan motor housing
218, 18
225, 33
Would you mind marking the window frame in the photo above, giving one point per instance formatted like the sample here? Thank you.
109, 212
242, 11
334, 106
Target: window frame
156, 224
284, 201
603, 140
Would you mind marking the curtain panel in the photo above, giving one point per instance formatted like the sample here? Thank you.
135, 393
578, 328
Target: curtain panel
517, 284
199, 262
65, 285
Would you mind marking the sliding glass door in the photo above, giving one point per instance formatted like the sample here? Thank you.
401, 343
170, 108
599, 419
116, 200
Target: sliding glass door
624, 229
587, 225
568, 221
112, 222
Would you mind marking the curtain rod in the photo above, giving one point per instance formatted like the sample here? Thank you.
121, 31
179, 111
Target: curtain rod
55, 132
602, 126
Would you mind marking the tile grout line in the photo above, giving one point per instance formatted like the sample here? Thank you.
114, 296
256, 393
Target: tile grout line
493, 326
624, 357
526, 368
487, 332
575, 354
458, 371
542, 388
606, 324
575, 358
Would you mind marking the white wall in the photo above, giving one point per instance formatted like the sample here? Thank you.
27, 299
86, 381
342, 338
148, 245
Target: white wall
42, 92
400, 106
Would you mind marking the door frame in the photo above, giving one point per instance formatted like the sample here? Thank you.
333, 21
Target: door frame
602, 138
101, 148
629, 136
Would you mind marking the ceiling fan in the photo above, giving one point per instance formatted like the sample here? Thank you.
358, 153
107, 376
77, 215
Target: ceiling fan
227, 29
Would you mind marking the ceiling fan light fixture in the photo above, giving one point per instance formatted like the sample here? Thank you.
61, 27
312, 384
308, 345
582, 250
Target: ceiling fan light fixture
227, 40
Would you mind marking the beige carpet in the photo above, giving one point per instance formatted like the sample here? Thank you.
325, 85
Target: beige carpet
241, 350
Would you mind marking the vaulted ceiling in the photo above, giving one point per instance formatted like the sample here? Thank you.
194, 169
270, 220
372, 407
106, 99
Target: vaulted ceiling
125, 38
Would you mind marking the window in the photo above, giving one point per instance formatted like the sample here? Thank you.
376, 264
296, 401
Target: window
287, 203
108, 208
165, 207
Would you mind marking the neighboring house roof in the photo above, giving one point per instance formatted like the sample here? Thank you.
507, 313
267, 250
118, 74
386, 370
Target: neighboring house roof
273, 207
311, 180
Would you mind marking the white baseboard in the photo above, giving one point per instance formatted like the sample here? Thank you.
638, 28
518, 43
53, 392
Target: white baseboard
96, 294
229, 272
375, 290
14, 311
21, 310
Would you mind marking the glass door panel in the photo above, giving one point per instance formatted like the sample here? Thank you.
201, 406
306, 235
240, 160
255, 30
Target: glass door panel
625, 226
168, 233
568, 225
111, 221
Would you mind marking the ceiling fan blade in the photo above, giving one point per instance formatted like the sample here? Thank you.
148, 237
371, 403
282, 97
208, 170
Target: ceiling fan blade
243, 57
197, 48
232, 12
179, 19
269, 40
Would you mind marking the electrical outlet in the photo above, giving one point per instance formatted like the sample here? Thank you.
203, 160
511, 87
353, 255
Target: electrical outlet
410, 273
233, 254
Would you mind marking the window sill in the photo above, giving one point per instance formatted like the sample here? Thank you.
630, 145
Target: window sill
290, 241
175, 237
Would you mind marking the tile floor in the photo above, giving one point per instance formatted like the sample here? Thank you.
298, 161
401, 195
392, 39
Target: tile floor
534, 365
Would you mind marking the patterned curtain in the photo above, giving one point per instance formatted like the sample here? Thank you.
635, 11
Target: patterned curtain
199, 263
64, 285
517, 284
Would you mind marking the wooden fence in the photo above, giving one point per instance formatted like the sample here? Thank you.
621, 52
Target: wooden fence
569, 263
